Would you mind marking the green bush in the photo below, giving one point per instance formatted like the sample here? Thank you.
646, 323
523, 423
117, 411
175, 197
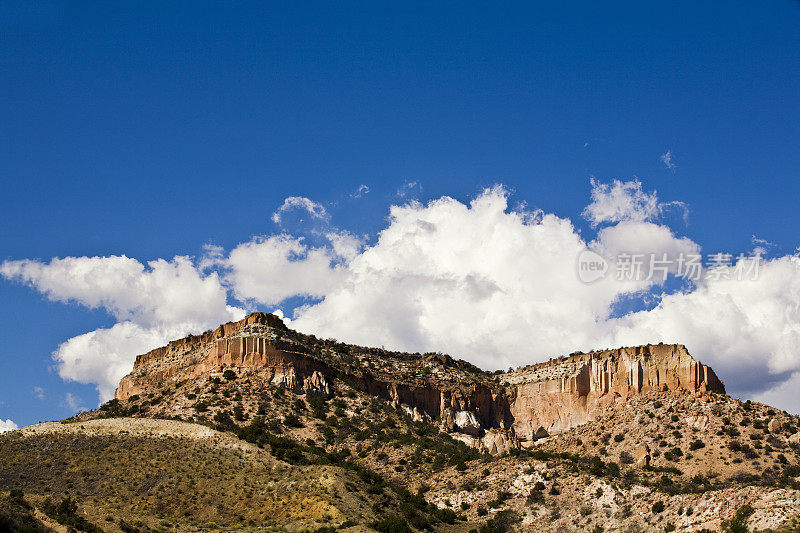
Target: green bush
66, 513
392, 524
738, 522
501, 523
697, 444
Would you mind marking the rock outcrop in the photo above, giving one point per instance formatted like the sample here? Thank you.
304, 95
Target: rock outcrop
558, 395
498, 412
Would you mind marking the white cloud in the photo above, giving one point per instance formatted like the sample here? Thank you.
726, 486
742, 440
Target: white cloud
152, 304
493, 285
314, 209
361, 191
8, 425
38, 393
162, 292
749, 330
268, 270
626, 201
666, 158
784, 395
621, 201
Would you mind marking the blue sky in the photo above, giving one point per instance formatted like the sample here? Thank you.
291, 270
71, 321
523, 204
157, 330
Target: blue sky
155, 129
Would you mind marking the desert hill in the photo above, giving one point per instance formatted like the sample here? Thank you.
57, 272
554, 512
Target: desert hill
255, 426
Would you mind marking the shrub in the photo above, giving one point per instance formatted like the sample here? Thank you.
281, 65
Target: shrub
658, 507
229, 374
697, 444
292, 420
392, 524
501, 523
625, 458
738, 522
66, 513
535, 497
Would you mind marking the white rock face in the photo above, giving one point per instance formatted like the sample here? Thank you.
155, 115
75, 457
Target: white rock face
467, 422
415, 414
287, 380
317, 384
699, 421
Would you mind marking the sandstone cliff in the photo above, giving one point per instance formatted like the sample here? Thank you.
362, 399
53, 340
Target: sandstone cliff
558, 395
492, 411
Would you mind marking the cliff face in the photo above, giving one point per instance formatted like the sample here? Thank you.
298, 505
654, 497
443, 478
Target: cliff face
495, 411
555, 396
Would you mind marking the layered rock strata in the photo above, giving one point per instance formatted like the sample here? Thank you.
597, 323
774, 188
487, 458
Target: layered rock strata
495, 412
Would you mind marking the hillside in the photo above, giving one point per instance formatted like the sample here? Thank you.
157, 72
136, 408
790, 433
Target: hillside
254, 425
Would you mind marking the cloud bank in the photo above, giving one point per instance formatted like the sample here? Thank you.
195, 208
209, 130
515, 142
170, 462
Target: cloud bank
490, 284
152, 303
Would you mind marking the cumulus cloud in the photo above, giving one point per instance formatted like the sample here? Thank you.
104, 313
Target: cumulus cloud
620, 201
268, 270
495, 285
147, 295
8, 425
504, 292
748, 329
626, 201
152, 303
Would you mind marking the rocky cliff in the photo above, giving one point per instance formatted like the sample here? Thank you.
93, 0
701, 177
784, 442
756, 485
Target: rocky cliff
558, 395
491, 411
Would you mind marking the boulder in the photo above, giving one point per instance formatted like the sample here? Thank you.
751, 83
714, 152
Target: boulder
774, 426
498, 441
285, 378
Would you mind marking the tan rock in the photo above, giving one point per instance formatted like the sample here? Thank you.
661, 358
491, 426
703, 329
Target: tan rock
698, 422
774, 426
533, 403
498, 441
